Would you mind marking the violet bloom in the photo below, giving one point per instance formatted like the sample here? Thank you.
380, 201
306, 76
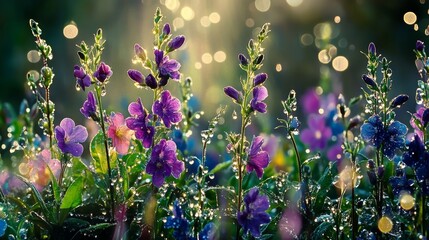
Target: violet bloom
258, 159
335, 153
317, 134
254, 215
311, 102
168, 68
82, 79
180, 225
119, 133
420, 46
69, 137
176, 43
136, 75
233, 93
163, 162
166, 29
168, 109
103, 72
139, 123
393, 137
259, 79
418, 116
260, 93
89, 108
418, 158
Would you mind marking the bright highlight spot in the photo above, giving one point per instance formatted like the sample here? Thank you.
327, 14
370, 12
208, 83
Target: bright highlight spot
306, 39
206, 58
416, 27
35, 74
214, 17
278, 67
187, 13
172, 5
385, 225
294, 3
337, 19
407, 201
262, 5
70, 31
340, 63
250, 22
33, 56
410, 18
323, 31
219, 56
205, 21
178, 23
324, 57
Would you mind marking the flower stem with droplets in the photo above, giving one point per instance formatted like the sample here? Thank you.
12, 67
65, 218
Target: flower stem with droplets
106, 148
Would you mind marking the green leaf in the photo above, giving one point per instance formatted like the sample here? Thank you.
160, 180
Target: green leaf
220, 167
72, 198
55, 187
319, 232
37, 196
98, 153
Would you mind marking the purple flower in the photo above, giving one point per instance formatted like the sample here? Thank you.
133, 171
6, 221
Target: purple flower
258, 159
311, 102
422, 116
335, 153
69, 137
399, 100
163, 162
168, 68
243, 60
370, 82
234, 94
168, 109
166, 29
317, 134
420, 46
393, 137
151, 81
82, 79
259, 79
139, 123
103, 72
260, 93
254, 215
89, 108
418, 158
176, 43
136, 75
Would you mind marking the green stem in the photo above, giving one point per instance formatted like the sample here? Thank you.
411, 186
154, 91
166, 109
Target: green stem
423, 214
354, 224
106, 148
240, 172
298, 159
48, 115
201, 180
340, 201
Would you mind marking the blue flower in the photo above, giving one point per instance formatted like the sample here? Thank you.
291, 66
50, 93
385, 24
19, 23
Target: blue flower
178, 223
3, 227
392, 137
254, 215
400, 183
208, 232
418, 158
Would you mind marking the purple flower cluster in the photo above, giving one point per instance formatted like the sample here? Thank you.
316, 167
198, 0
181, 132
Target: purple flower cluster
163, 162
258, 159
323, 125
168, 109
418, 158
103, 72
168, 68
83, 80
139, 123
254, 215
89, 108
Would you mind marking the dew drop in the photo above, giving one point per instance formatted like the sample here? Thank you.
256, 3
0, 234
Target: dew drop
234, 115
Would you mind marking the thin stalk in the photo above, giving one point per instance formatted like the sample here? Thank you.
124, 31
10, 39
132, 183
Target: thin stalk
201, 180
48, 115
423, 211
340, 201
106, 148
298, 159
354, 225
240, 172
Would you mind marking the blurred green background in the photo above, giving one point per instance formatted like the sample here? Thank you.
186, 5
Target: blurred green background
312, 42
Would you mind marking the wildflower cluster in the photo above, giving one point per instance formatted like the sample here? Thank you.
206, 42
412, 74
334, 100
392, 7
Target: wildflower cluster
143, 174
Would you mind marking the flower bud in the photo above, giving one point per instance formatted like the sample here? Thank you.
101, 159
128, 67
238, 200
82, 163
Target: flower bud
166, 29
371, 164
243, 60
371, 49
294, 124
370, 82
259, 79
399, 100
140, 52
355, 121
103, 72
380, 171
151, 81
47, 76
372, 177
176, 43
136, 75
259, 59
234, 94
420, 46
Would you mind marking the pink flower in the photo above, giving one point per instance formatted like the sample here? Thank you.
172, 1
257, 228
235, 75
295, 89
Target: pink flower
119, 133
38, 169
